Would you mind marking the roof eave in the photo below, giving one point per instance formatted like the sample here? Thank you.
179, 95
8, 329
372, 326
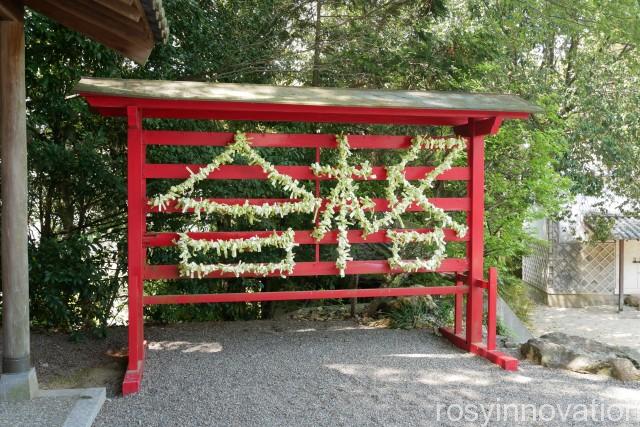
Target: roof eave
131, 30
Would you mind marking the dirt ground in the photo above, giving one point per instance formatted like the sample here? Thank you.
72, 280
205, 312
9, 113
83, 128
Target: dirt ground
62, 362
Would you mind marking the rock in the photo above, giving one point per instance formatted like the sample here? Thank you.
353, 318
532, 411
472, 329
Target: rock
624, 370
562, 351
632, 300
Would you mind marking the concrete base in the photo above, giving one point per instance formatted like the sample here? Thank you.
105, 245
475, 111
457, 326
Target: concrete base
22, 386
86, 409
571, 300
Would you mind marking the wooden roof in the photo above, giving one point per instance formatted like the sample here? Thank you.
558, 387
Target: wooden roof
11, 10
200, 91
131, 27
225, 101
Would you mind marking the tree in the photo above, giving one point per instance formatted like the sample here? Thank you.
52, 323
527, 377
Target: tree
576, 59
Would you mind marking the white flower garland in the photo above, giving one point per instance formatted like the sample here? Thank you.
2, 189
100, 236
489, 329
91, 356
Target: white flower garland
351, 209
241, 146
187, 246
415, 193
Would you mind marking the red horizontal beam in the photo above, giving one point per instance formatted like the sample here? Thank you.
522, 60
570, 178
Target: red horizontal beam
299, 140
302, 237
321, 268
111, 105
302, 295
180, 171
381, 205
278, 116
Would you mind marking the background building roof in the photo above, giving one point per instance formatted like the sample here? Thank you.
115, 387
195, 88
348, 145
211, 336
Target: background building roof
626, 228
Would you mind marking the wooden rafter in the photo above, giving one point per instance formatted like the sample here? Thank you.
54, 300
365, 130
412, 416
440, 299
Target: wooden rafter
117, 24
124, 8
11, 10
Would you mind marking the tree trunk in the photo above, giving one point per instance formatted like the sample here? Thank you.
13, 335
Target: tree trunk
317, 43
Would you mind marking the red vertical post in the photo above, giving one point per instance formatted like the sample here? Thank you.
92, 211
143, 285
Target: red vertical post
457, 325
136, 223
317, 195
492, 297
475, 247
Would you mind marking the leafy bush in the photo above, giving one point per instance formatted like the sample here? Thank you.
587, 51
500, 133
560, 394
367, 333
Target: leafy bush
203, 312
74, 283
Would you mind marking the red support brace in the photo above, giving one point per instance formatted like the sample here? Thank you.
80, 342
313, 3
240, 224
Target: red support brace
492, 301
459, 306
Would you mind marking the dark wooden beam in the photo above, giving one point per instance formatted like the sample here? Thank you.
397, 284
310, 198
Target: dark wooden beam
106, 18
132, 39
11, 10
123, 8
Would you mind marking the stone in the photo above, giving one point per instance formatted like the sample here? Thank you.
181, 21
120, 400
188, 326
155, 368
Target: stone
624, 370
20, 386
632, 300
578, 354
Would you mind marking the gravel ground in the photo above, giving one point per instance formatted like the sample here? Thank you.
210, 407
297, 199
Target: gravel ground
40, 412
338, 373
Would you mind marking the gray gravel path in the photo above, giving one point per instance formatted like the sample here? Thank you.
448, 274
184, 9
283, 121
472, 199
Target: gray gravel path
311, 373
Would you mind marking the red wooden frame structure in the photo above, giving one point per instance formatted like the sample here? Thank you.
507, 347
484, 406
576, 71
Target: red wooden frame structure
469, 288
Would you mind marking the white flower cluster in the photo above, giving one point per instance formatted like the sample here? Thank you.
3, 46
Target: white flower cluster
415, 193
351, 209
307, 202
188, 246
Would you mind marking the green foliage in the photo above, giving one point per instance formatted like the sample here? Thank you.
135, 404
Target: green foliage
577, 59
73, 289
203, 312
600, 227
